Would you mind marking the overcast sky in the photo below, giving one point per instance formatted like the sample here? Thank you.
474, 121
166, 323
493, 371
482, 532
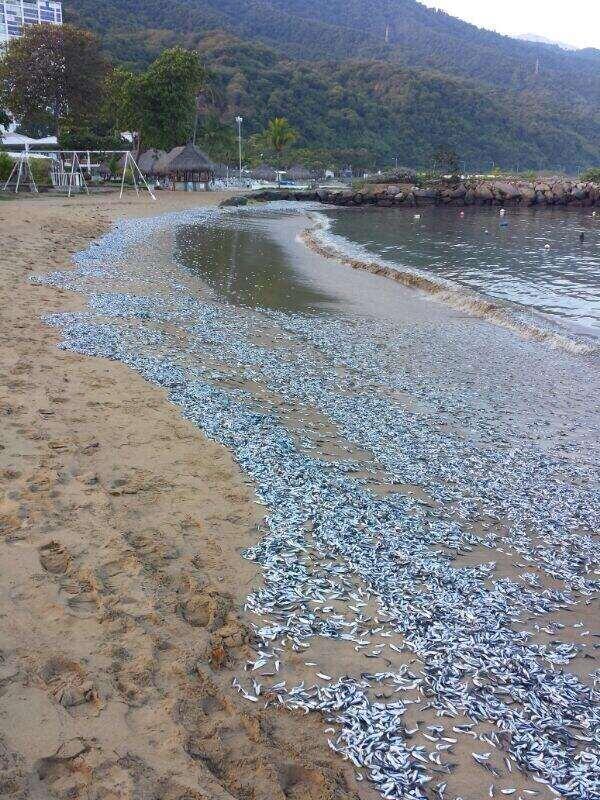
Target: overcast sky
574, 22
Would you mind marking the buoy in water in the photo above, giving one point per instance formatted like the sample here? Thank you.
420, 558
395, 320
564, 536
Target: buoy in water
546, 247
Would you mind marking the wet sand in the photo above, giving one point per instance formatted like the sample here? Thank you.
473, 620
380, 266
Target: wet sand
123, 582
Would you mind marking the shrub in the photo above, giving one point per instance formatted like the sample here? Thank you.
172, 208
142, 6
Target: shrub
40, 167
529, 175
6, 164
592, 174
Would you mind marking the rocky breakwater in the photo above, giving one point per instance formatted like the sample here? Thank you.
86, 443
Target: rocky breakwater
465, 193
472, 192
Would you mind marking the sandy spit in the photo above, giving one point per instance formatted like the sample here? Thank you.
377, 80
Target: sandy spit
121, 583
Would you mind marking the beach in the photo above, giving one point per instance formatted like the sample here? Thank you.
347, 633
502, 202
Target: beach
141, 583
120, 577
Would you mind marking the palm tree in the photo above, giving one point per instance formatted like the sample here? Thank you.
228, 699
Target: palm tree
279, 134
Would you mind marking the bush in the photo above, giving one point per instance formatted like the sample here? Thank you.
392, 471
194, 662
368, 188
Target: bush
592, 174
6, 164
529, 175
128, 177
40, 168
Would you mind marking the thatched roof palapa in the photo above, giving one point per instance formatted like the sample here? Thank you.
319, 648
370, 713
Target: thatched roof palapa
162, 165
190, 160
149, 159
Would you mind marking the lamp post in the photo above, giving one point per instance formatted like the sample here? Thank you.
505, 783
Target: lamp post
239, 121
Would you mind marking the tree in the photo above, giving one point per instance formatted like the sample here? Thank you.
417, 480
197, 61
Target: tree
36, 126
447, 160
55, 72
218, 139
279, 134
160, 104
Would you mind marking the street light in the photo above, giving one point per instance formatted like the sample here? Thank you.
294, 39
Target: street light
239, 121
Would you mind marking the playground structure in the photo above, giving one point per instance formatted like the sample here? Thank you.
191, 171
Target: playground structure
22, 173
68, 170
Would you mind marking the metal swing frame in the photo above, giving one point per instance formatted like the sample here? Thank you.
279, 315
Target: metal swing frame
74, 173
21, 165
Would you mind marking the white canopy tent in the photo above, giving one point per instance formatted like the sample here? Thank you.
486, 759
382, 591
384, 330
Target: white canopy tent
26, 142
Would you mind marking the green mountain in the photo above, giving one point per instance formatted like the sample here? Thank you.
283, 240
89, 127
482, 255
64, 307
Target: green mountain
390, 77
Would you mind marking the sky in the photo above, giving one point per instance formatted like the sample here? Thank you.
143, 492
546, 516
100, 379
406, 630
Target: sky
574, 22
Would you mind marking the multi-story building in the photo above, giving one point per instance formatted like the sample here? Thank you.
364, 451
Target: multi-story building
14, 14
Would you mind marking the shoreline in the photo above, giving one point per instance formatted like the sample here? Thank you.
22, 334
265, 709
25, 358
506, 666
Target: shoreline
513, 317
120, 579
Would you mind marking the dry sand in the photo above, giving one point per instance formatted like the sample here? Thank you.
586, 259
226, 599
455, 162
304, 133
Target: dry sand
121, 584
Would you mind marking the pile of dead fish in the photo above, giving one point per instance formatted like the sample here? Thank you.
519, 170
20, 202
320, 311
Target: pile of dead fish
333, 547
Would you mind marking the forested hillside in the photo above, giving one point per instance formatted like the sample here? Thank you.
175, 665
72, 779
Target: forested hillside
391, 77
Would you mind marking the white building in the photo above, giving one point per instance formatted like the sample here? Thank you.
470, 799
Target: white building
14, 14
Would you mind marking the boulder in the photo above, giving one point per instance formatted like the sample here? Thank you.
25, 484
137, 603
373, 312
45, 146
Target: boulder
484, 193
528, 195
561, 190
341, 197
458, 192
426, 195
234, 201
503, 190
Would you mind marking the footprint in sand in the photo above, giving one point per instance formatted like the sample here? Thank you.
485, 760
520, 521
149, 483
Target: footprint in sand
54, 558
79, 593
234, 748
67, 682
207, 608
78, 590
204, 607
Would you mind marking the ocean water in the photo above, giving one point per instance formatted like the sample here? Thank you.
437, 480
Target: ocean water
535, 259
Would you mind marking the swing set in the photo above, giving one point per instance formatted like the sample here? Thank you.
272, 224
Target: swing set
67, 171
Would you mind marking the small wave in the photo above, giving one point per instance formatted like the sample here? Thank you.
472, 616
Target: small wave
319, 238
